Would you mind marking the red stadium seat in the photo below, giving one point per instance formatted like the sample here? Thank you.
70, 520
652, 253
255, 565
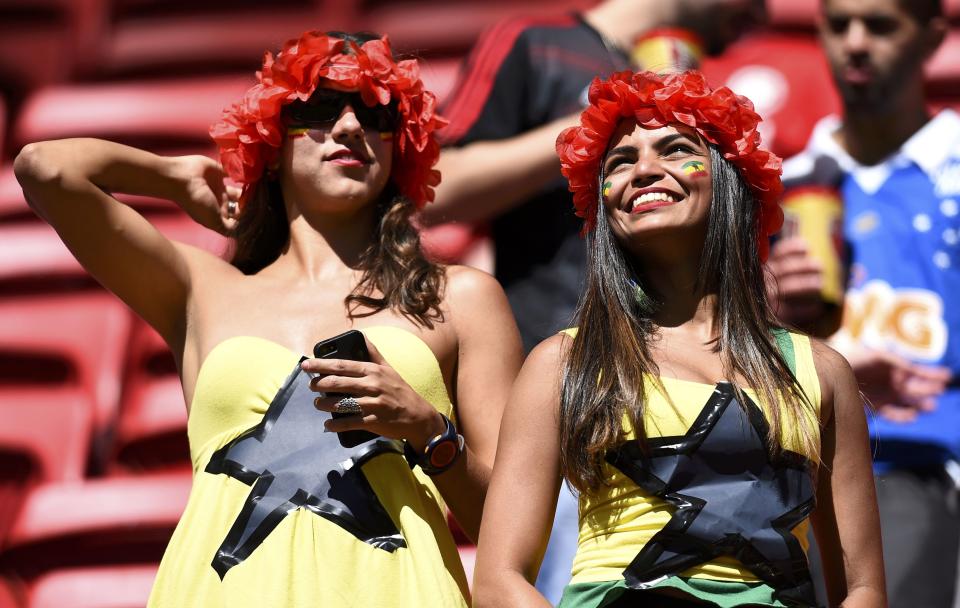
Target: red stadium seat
153, 427
12, 594
449, 243
440, 74
152, 431
84, 333
793, 13
114, 586
95, 522
786, 77
170, 113
203, 38
943, 70
468, 555
51, 426
45, 437
35, 48
13, 207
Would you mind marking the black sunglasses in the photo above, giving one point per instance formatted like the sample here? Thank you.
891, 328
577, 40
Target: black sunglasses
325, 106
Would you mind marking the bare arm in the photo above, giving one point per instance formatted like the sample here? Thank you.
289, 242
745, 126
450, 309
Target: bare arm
487, 178
67, 183
846, 522
489, 358
489, 355
523, 492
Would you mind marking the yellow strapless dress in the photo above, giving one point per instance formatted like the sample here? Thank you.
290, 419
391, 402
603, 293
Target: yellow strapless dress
306, 555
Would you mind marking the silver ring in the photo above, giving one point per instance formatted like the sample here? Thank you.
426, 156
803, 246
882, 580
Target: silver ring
232, 208
348, 405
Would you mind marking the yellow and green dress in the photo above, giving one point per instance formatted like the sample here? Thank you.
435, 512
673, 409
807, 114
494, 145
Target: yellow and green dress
706, 511
282, 514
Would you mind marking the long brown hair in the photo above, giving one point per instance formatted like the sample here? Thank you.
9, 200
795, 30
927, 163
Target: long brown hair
395, 272
615, 317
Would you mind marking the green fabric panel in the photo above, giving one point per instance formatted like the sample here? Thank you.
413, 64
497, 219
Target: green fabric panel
785, 344
724, 594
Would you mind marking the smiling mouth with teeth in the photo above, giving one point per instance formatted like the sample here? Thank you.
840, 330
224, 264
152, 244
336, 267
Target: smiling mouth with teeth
651, 200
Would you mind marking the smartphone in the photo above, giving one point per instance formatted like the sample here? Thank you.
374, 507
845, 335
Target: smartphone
348, 345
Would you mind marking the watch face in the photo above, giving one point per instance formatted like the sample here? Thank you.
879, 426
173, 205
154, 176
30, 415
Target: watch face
443, 453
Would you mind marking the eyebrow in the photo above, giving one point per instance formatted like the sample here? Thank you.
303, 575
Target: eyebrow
660, 144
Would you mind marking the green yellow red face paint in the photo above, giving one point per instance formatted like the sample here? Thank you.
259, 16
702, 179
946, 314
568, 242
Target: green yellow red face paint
295, 132
694, 168
606, 189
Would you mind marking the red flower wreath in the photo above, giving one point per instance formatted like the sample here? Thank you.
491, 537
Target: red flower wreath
720, 116
249, 133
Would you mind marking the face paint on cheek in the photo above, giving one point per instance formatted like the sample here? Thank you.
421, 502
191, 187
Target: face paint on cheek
694, 168
606, 190
386, 135
296, 132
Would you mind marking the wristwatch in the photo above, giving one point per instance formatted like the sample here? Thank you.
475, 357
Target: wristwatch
441, 451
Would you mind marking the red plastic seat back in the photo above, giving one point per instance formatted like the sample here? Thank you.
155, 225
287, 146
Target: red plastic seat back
787, 78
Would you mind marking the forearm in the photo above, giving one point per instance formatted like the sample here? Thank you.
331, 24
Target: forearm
487, 178
71, 164
865, 597
464, 489
506, 589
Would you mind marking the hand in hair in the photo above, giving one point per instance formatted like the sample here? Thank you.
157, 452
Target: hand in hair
202, 193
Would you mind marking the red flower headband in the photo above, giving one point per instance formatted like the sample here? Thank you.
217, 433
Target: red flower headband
720, 116
249, 133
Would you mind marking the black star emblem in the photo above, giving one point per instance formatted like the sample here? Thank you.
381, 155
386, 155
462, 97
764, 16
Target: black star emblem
291, 463
731, 498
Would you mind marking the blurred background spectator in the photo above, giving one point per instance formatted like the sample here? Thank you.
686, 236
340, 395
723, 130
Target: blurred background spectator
94, 467
873, 204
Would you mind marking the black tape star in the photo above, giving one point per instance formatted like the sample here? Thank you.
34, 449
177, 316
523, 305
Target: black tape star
291, 463
731, 498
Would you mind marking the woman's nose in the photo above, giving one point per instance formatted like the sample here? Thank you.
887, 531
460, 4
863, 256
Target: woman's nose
646, 170
347, 126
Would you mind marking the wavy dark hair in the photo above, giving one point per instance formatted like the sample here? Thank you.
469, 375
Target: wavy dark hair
396, 273
615, 317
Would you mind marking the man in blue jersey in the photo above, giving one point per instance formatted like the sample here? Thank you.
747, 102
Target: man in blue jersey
897, 170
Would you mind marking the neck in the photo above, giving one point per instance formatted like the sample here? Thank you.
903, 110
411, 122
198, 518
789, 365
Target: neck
675, 283
869, 137
620, 21
325, 247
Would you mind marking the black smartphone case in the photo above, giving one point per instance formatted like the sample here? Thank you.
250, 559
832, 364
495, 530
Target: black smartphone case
348, 345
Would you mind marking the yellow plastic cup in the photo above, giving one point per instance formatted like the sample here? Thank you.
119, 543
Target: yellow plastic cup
666, 50
816, 215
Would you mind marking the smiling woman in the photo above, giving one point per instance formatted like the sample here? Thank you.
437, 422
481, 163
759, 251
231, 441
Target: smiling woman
696, 430
317, 481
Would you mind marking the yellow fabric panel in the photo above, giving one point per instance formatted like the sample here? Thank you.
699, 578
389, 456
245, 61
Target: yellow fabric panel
306, 560
617, 520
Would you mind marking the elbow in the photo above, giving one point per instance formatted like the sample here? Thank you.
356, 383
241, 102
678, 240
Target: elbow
32, 165
35, 169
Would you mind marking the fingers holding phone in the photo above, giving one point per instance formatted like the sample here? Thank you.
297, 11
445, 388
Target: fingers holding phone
365, 394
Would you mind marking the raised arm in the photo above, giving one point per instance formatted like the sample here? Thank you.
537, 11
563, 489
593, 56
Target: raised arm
486, 178
846, 522
68, 184
523, 492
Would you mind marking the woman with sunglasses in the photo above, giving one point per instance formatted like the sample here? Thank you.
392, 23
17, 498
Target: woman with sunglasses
703, 438
333, 151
